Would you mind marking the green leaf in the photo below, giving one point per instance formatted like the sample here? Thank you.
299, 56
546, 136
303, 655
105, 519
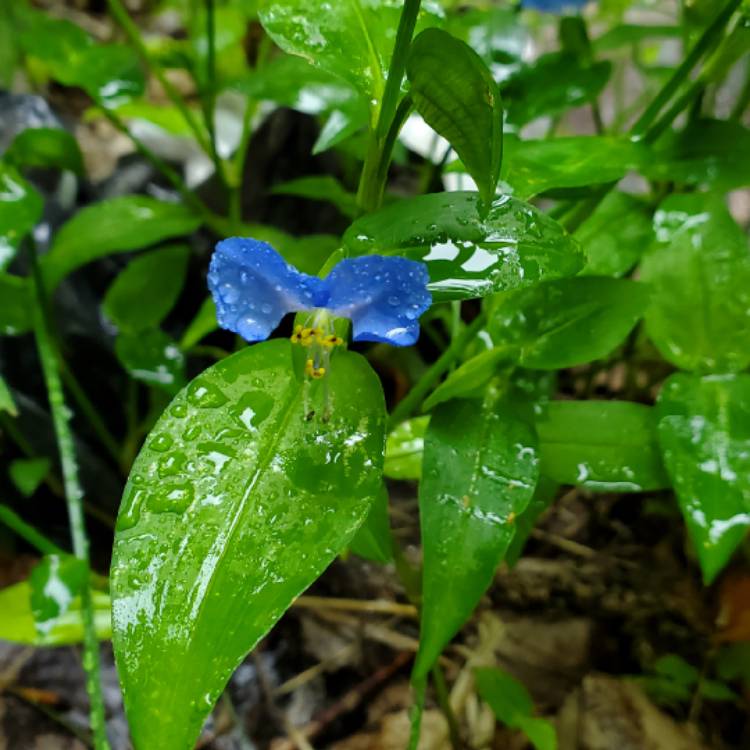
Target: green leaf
45, 147
512, 705
15, 305
373, 539
457, 96
616, 235
165, 116
624, 34
544, 495
201, 325
55, 584
7, 404
237, 503
18, 625
467, 254
704, 432
113, 226
152, 357
20, 209
609, 446
706, 152
533, 167
496, 34
321, 188
699, 318
467, 380
144, 293
403, 449
8, 46
552, 84
479, 471
567, 322
352, 39
109, 73
28, 473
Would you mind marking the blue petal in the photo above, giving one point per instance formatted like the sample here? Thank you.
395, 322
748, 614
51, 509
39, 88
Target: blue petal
254, 287
553, 6
383, 296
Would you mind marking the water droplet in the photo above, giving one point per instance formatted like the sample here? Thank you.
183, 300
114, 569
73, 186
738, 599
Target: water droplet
205, 395
265, 308
172, 464
252, 408
161, 442
130, 511
179, 410
393, 300
173, 498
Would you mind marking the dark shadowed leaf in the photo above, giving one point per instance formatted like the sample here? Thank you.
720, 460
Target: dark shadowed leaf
153, 358
45, 147
373, 539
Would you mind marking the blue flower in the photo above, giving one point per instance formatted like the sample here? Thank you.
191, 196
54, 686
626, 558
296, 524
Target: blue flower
553, 6
254, 287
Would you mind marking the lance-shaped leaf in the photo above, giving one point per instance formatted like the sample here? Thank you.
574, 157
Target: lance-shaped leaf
15, 305
247, 488
468, 253
479, 472
454, 91
704, 431
20, 209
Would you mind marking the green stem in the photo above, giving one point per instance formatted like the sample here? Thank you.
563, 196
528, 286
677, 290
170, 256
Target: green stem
416, 395
133, 33
27, 532
743, 100
443, 698
708, 39
73, 496
375, 169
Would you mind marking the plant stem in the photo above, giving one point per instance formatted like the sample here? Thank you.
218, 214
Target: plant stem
375, 169
708, 39
441, 691
133, 33
417, 394
27, 532
743, 100
73, 496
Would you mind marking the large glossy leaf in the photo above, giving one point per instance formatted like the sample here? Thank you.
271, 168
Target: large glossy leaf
20, 209
241, 497
114, 226
616, 235
457, 96
704, 431
469, 254
373, 539
353, 38
142, 295
608, 446
552, 84
567, 322
533, 167
18, 625
45, 147
15, 305
479, 471
699, 317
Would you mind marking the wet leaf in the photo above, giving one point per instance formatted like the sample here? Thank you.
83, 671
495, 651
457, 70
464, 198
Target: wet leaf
552, 84
353, 40
533, 167
469, 255
607, 446
45, 147
20, 209
28, 473
373, 539
238, 501
544, 495
55, 583
114, 226
18, 625
479, 471
567, 322
699, 317
403, 449
153, 358
147, 289
455, 93
704, 432
616, 235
